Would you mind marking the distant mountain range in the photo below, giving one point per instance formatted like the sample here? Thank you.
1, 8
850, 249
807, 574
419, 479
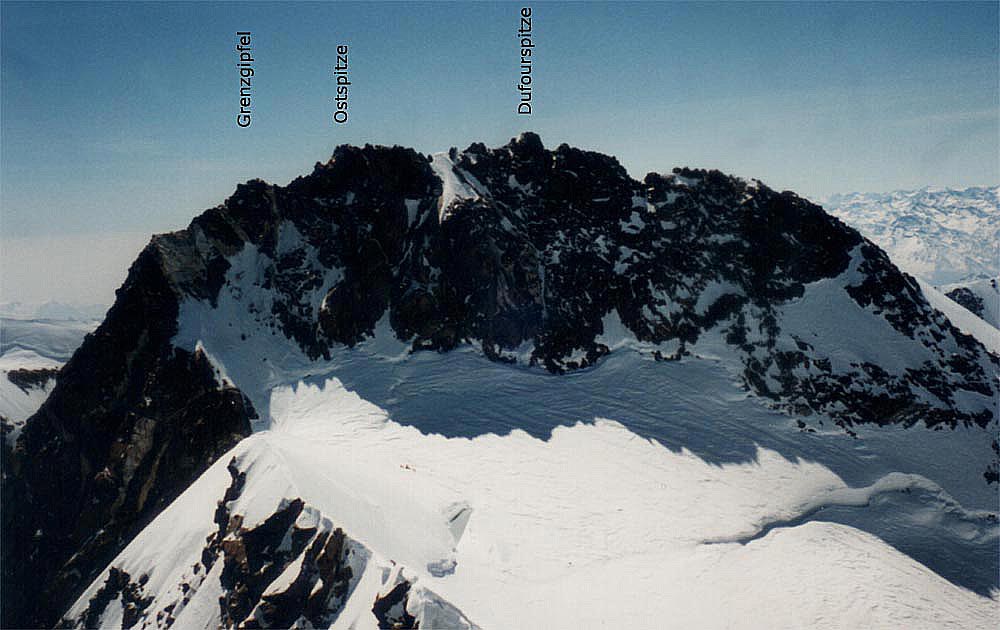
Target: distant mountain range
60, 311
940, 235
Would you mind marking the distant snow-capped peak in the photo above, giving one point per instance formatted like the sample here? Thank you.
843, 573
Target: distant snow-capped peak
941, 235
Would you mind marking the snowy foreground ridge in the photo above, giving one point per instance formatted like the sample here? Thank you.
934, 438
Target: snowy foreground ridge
513, 388
594, 527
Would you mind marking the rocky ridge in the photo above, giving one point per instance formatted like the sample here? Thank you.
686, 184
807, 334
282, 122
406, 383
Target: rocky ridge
292, 569
981, 297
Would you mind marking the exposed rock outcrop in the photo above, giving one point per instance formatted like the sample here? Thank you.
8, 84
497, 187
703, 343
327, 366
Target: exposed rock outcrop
31, 378
292, 569
968, 299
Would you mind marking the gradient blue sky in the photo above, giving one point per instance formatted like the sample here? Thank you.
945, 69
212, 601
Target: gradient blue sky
119, 118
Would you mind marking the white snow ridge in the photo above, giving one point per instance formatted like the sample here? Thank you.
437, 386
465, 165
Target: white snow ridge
594, 525
458, 184
585, 524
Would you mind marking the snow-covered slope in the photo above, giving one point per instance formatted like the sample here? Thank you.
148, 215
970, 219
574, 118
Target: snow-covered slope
31, 351
964, 319
513, 531
939, 235
982, 297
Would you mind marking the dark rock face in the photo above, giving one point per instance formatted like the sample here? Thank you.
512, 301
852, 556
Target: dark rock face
131, 423
119, 585
390, 609
544, 244
325, 564
253, 559
540, 248
31, 379
968, 299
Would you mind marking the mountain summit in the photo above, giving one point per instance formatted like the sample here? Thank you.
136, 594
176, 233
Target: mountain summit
518, 262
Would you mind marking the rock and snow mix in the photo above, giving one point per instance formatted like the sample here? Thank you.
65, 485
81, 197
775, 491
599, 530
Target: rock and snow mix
939, 235
595, 526
964, 319
513, 388
574, 516
981, 297
31, 352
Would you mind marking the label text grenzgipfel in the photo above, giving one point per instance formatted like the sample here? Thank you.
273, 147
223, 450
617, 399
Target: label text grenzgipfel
245, 65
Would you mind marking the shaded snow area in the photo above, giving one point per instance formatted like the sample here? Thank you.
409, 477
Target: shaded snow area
593, 526
32, 350
637, 493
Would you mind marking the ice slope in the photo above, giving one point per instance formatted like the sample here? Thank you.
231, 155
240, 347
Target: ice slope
593, 527
939, 235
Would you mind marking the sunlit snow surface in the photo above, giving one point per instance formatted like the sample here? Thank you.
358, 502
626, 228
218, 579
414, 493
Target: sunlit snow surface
634, 494
985, 289
594, 526
962, 318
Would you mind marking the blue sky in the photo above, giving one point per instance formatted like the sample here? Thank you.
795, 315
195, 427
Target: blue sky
120, 117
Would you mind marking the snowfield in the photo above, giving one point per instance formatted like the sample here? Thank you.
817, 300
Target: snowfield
637, 493
593, 527
34, 345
